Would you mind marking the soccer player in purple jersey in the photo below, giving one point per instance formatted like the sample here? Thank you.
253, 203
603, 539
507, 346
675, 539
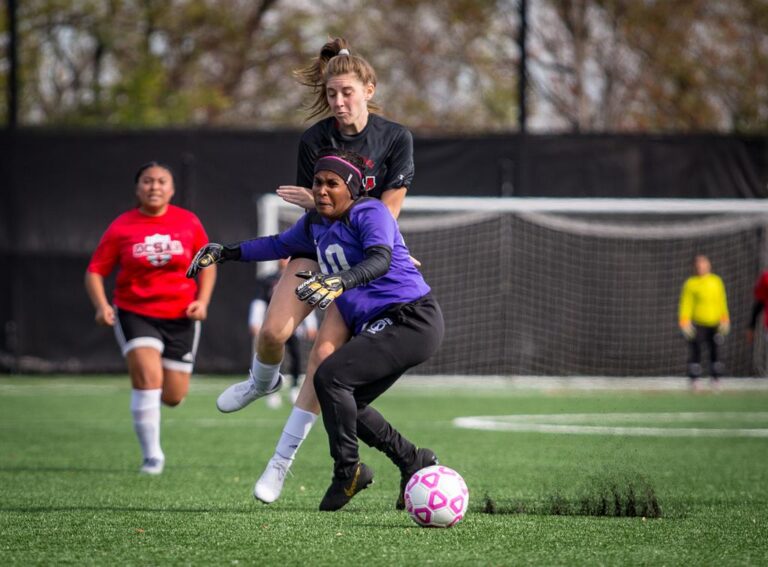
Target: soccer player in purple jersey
382, 298
343, 85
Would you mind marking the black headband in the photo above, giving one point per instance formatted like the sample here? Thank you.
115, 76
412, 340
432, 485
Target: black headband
352, 176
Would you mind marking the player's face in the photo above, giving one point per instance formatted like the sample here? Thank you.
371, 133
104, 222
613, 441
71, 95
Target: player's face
154, 190
332, 198
348, 98
702, 266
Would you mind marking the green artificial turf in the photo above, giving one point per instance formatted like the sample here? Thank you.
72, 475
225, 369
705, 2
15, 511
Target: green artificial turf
70, 492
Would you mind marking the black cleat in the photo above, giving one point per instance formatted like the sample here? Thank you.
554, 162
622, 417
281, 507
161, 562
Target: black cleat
424, 458
342, 490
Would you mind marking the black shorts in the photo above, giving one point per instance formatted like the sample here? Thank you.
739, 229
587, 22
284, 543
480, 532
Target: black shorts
175, 339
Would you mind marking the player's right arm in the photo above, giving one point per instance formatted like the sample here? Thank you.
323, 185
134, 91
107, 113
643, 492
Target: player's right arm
299, 194
757, 308
761, 296
295, 195
94, 286
295, 240
724, 326
103, 261
685, 310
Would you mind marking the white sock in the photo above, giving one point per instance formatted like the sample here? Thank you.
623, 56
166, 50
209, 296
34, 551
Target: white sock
265, 375
145, 407
296, 429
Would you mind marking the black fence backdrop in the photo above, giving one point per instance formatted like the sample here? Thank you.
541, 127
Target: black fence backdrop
60, 190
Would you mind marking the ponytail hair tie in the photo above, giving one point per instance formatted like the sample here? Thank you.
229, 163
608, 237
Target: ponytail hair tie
344, 51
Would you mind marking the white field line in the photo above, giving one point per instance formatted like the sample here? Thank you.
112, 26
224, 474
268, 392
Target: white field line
66, 386
574, 383
569, 424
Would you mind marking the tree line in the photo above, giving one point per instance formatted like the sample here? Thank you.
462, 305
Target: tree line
448, 66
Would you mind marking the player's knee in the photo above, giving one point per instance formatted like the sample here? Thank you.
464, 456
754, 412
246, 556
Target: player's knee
320, 352
145, 380
171, 400
272, 337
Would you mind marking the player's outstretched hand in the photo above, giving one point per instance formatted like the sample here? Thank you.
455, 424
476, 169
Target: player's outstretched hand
689, 331
211, 254
208, 255
296, 195
319, 289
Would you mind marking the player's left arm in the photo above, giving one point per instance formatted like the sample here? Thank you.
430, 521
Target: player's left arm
400, 170
376, 230
393, 199
725, 318
322, 289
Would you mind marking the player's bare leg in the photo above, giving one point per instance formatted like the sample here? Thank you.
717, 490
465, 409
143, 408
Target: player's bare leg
175, 387
284, 314
332, 334
146, 371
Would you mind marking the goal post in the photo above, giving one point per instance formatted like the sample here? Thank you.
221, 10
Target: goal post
575, 287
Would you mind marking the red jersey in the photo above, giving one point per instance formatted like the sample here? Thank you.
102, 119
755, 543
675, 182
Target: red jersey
761, 292
153, 254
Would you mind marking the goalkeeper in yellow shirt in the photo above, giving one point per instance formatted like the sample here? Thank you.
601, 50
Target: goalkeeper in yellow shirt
703, 318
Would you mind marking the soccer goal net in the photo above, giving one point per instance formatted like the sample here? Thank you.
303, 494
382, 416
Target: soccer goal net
585, 287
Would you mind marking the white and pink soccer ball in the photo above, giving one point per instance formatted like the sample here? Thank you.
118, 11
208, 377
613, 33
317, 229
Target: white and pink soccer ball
436, 497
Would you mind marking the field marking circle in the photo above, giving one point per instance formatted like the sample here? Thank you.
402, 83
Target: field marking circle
574, 424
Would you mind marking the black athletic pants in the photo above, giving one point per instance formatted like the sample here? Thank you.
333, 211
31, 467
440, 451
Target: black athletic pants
704, 336
363, 369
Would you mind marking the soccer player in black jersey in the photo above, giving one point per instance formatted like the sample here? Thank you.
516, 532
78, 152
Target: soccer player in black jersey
343, 84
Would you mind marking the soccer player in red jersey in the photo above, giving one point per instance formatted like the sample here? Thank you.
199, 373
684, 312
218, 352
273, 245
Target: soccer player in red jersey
156, 311
761, 298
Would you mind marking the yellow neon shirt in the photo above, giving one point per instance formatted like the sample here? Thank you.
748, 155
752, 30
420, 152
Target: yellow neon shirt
703, 301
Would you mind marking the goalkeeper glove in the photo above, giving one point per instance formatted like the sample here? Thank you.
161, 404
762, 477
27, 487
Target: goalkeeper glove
211, 254
319, 289
689, 331
722, 330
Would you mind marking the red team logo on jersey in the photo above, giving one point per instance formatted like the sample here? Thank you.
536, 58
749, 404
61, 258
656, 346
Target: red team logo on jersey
370, 182
158, 249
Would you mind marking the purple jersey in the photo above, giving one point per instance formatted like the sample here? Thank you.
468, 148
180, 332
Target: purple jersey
341, 245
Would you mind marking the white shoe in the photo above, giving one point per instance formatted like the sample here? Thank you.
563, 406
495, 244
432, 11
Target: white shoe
270, 485
239, 395
152, 466
274, 401
294, 394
